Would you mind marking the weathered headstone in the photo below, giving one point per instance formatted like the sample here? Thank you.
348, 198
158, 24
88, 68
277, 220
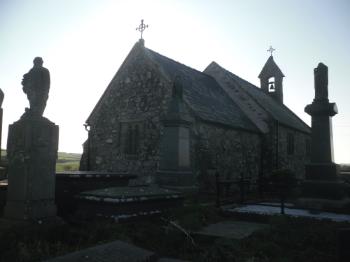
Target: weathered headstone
175, 161
322, 189
32, 151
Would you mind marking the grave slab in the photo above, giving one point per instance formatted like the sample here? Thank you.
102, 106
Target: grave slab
232, 229
171, 260
294, 212
128, 202
116, 251
71, 183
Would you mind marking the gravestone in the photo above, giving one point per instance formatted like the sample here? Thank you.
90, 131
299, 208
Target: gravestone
2, 169
322, 188
32, 151
175, 160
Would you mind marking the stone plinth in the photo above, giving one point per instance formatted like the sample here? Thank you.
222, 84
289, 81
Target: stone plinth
175, 165
32, 151
1, 113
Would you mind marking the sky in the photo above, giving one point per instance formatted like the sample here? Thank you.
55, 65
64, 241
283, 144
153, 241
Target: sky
84, 42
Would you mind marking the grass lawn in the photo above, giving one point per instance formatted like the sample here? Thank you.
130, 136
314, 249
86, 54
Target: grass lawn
65, 161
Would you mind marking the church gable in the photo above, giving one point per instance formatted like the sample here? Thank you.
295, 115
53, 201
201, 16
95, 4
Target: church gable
121, 92
125, 124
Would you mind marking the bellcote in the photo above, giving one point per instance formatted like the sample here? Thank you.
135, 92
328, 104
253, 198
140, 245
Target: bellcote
271, 80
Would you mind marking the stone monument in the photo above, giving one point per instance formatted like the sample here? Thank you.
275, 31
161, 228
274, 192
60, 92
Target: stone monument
175, 158
32, 151
321, 188
2, 164
1, 113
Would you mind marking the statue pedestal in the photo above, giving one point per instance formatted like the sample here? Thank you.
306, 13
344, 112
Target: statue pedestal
330, 194
321, 171
32, 151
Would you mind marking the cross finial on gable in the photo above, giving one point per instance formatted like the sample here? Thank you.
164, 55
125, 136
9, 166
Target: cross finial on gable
142, 27
271, 50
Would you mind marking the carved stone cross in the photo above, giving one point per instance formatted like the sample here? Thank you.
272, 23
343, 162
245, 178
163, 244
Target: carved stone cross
271, 50
142, 27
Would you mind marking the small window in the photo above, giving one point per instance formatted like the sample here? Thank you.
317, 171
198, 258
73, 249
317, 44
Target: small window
130, 137
271, 83
307, 147
290, 144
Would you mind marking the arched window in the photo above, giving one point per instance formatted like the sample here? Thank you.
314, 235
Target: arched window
271, 83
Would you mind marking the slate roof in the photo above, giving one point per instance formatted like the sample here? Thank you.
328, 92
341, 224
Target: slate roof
277, 111
203, 94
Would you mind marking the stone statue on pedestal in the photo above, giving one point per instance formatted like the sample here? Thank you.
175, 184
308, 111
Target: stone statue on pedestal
32, 152
36, 84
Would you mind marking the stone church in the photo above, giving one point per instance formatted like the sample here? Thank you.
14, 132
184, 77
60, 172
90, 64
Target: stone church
232, 125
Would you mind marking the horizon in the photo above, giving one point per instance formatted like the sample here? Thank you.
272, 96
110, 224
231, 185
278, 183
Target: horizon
83, 44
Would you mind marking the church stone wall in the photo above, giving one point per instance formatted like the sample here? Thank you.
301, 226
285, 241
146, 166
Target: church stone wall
125, 134
297, 155
233, 152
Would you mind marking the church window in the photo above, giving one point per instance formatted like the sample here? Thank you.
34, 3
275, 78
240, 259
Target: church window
271, 83
130, 137
290, 144
307, 147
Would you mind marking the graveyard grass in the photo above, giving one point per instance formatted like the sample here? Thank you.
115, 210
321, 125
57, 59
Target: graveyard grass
287, 239
65, 161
